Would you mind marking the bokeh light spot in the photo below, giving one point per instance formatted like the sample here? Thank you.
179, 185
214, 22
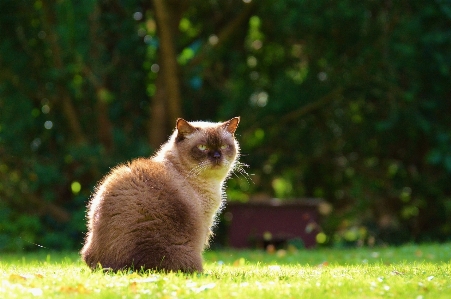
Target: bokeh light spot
75, 187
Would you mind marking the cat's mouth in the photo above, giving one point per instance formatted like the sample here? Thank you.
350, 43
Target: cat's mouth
216, 163
215, 158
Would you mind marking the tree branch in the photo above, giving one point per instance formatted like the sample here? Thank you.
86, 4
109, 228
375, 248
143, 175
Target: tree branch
298, 113
226, 32
48, 208
309, 108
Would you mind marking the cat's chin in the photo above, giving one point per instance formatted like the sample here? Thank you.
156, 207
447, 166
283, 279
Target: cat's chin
216, 164
220, 165
217, 169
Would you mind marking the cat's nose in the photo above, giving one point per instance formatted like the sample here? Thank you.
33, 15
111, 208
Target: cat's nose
216, 155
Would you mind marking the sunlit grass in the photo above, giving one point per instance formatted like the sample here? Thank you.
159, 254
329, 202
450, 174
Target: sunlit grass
405, 272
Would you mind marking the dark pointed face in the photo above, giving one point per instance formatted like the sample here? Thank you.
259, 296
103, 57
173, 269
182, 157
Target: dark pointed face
214, 147
206, 147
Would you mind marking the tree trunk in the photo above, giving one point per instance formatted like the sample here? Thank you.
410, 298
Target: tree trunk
158, 121
166, 104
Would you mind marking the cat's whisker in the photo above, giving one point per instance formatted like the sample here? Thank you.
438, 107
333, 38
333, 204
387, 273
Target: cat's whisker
246, 177
244, 173
195, 172
197, 169
239, 167
235, 174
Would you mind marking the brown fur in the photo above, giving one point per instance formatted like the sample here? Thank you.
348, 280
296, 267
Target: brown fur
157, 213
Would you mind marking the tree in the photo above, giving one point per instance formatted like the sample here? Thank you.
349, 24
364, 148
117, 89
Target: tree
166, 104
336, 100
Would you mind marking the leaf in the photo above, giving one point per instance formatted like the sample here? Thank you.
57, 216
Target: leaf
15, 278
271, 249
281, 253
79, 289
323, 264
133, 286
239, 262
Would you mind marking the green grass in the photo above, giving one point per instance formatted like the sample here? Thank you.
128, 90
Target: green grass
411, 271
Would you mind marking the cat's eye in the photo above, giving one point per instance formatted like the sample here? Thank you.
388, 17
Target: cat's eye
202, 147
224, 146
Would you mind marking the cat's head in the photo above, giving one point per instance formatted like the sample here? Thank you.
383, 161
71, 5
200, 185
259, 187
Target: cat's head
206, 148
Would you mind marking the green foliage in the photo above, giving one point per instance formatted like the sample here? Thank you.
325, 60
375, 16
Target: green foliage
55, 53
341, 100
350, 103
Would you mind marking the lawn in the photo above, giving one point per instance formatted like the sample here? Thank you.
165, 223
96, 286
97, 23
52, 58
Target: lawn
410, 271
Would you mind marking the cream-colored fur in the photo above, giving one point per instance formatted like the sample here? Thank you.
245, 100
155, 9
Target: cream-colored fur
157, 213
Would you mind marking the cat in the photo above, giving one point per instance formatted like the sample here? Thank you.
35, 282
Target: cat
157, 213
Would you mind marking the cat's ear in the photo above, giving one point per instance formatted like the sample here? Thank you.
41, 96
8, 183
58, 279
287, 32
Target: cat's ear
184, 128
231, 125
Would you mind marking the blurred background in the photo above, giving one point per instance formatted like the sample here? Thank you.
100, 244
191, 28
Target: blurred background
347, 101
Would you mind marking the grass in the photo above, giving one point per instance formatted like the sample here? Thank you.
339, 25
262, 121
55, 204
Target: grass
411, 271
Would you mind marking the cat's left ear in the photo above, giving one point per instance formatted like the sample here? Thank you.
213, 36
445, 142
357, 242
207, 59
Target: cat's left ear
231, 125
184, 128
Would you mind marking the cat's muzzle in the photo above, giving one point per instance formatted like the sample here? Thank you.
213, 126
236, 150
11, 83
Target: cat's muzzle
216, 157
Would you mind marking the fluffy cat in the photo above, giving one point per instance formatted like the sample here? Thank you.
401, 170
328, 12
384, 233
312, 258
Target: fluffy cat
157, 213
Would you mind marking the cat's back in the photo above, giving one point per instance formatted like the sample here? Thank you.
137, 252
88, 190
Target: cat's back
136, 197
142, 189
137, 171
128, 184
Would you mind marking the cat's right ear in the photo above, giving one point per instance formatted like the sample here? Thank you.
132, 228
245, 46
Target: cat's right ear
183, 129
231, 125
